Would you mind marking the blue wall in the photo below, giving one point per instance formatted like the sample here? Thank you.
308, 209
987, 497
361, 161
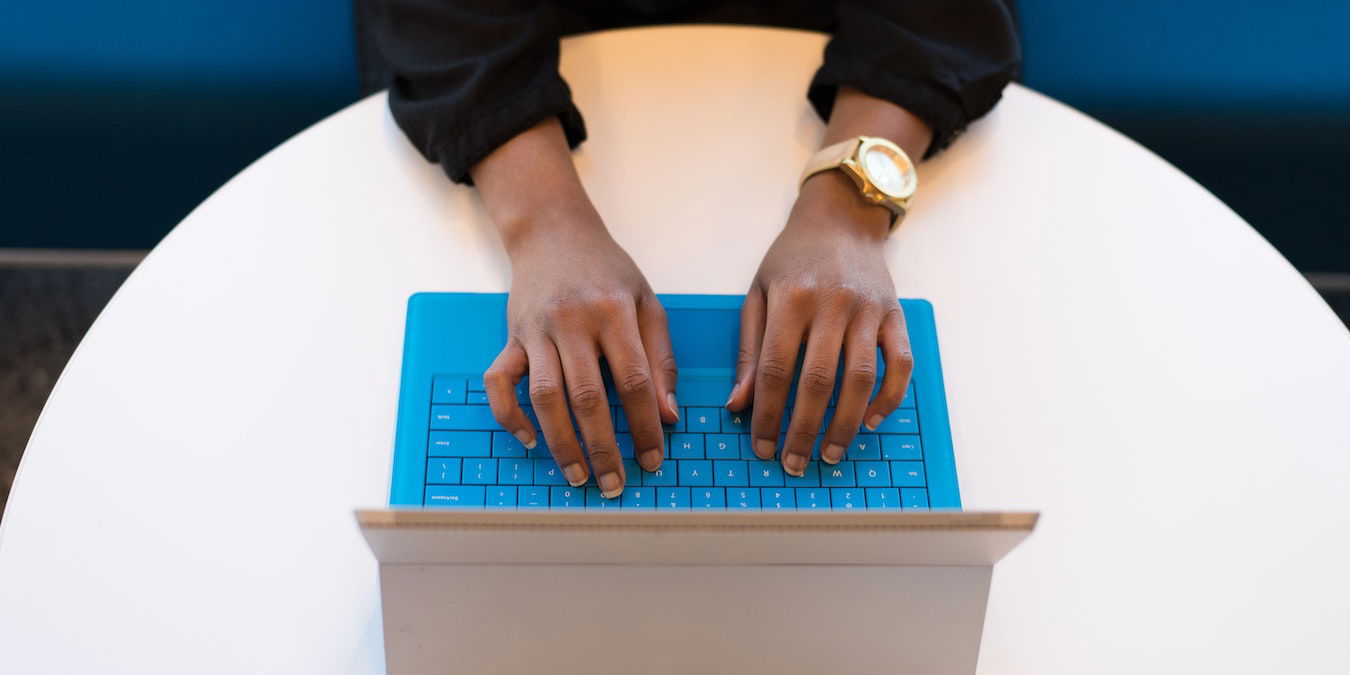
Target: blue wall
237, 44
117, 117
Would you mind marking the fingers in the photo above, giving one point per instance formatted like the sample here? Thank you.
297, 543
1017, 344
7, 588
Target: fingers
500, 381
747, 359
655, 336
894, 342
633, 381
775, 362
550, 405
858, 377
590, 406
814, 386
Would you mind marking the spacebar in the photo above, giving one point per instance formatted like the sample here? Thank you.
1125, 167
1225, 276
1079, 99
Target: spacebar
701, 392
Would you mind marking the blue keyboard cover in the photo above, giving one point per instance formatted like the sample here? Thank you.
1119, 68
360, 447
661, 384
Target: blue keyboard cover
467, 460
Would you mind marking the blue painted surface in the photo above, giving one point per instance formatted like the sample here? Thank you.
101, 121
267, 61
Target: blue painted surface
450, 336
1239, 52
210, 43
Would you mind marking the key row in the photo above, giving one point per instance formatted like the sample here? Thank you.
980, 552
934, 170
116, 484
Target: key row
678, 446
546, 497
684, 472
694, 392
692, 420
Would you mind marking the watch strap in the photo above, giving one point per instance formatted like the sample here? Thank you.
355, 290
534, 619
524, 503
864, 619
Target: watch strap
830, 157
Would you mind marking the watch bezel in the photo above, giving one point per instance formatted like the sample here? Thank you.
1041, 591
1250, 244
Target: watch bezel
907, 168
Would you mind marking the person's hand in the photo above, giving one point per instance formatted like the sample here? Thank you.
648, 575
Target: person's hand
577, 296
823, 283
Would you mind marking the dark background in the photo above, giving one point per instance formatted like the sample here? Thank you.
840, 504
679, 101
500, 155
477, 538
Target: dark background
117, 118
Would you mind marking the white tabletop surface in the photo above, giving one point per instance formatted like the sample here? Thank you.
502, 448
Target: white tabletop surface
1121, 352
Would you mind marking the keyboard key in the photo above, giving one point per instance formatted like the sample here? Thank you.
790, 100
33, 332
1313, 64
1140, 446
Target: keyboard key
672, 498
546, 472
813, 498
567, 497
883, 498
735, 422
914, 498
777, 498
523, 391
747, 446
708, 498
902, 421
668, 474
909, 401
907, 474
532, 497
766, 473
476, 384
873, 474
632, 472
839, 475
479, 472
730, 473
625, 442
505, 445
901, 447
442, 471
847, 499
459, 444
501, 496
722, 446
463, 417
809, 478
699, 392
686, 446
596, 501
455, 496
703, 420
864, 446
511, 471
696, 472
743, 498
477, 398
639, 498
677, 427
448, 389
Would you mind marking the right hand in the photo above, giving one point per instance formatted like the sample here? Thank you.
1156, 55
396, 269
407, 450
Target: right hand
577, 296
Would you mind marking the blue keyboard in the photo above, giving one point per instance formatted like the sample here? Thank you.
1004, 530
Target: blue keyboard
451, 453
472, 463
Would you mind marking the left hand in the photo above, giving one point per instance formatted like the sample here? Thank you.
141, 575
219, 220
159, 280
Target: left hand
823, 283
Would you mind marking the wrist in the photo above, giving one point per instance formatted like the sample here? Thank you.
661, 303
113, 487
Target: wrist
831, 199
551, 230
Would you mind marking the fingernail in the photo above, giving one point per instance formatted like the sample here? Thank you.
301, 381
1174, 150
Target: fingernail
526, 438
575, 474
873, 422
611, 485
650, 459
670, 403
764, 448
732, 395
833, 453
794, 464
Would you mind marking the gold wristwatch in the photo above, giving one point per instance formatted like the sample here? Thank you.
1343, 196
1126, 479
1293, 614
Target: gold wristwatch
884, 173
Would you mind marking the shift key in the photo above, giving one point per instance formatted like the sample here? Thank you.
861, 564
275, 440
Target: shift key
465, 417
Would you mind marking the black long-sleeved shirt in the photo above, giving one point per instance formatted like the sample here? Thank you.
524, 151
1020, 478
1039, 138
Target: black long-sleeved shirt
467, 75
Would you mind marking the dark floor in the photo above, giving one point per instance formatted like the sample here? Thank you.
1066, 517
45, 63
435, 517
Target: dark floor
44, 311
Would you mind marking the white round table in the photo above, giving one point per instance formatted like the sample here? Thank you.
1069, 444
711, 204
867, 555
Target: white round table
1122, 353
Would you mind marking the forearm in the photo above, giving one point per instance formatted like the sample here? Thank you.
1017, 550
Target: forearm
857, 114
530, 184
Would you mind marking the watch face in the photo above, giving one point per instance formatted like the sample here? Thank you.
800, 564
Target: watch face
888, 170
